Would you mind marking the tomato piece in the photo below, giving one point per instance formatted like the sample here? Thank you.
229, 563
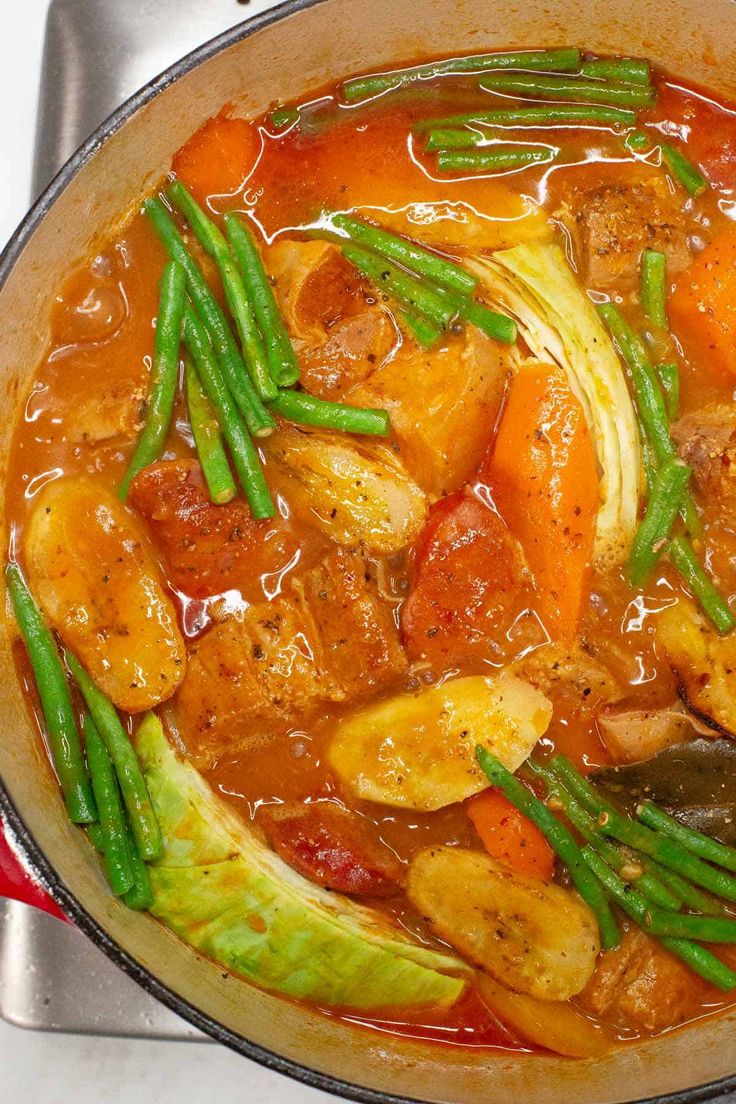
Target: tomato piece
217, 158
334, 848
702, 308
469, 584
509, 836
544, 479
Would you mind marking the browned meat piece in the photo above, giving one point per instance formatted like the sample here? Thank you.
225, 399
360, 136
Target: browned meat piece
706, 441
631, 735
334, 848
210, 549
327, 639
570, 674
340, 332
612, 223
640, 986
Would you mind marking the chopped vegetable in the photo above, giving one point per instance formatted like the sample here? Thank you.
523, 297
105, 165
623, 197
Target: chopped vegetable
140, 895
414, 295
653, 287
100, 586
703, 305
536, 115
494, 158
558, 837
218, 157
713, 604
406, 253
535, 283
570, 88
355, 491
113, 827
53, 690
132, 785
213, 242
208, 439
298, 406
691, 179
669, 378
416, 750
564, 60
224, 892
555, 1025
665, 500
530, 936
544, 480
509, 836
696, 842
627, 70
164, 374
282, 360
243, 451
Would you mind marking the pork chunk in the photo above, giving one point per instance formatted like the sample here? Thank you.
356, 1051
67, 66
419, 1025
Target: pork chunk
327, 639
613, 222
641, 987
706, 441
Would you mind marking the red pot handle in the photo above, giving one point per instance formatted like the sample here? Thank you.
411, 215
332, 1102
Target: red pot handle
17, 884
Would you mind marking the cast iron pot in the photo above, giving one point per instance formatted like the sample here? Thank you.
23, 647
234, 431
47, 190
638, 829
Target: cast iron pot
280, 56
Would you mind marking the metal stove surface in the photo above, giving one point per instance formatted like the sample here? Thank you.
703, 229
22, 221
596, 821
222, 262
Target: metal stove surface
96, 54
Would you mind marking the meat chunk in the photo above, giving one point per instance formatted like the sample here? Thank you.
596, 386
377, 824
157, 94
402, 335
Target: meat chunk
613, 222
334, 848
640, 986
111, 413
327, 639
339, 330
443, 405
631, 735
210, 549
706, 441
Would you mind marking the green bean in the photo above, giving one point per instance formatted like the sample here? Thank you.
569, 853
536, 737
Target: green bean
298, 406
208, 439
426, 333
649, 462
617, 857
695, 842
113, 829
702, 961
127, 768
281, 356
565, 60
140, 895
653, 287
407, 253
447, 139
56, 703
690, 894
243, 451
534, 115
498, 326
652, 534
625, 70
164, 374
704, 929
570, 88
691, 179
282, 117
559, 839
213, 242
649, 399
713, 604
493, 158
411, 292
95, 837
259, 421
636, 142
669, 378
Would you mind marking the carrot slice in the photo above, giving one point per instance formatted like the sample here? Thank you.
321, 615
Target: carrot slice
509, 836
217, 158
544, 480
702, 308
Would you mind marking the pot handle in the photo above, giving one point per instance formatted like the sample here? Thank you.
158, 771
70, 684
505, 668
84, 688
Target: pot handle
17, 884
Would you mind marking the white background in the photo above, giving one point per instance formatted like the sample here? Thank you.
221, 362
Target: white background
63, 1069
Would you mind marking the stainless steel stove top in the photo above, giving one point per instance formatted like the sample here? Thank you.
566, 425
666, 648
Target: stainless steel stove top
96, 54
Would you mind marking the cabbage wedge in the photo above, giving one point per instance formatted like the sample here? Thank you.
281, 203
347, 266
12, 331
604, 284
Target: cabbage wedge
223, 891
535, 284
